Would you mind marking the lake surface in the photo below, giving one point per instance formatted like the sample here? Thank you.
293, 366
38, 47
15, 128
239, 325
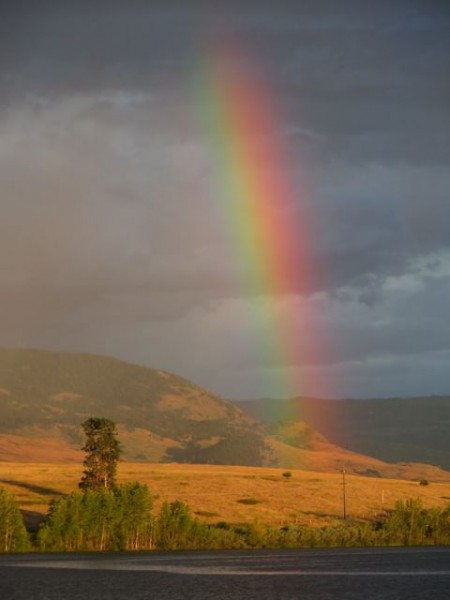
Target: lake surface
350, 574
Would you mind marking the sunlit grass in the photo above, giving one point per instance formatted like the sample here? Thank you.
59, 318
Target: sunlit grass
214, 492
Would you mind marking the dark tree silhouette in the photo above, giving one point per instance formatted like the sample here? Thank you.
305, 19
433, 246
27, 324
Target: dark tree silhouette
102, 453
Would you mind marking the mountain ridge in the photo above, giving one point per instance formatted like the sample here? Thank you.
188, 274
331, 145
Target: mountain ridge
43, 389
45, 396
411, 429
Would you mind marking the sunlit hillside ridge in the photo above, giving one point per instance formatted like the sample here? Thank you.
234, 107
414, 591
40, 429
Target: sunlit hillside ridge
47, 395
161, 417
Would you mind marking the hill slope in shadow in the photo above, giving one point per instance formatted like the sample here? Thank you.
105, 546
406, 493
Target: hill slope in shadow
390, 429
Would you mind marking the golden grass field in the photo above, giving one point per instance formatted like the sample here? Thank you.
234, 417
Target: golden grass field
214, 492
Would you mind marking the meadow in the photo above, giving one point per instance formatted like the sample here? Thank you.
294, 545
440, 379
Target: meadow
231, 494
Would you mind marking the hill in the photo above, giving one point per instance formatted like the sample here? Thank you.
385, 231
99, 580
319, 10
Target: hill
390, 429
47, 395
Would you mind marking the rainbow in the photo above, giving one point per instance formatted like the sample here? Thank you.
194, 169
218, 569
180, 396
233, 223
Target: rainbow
258, 201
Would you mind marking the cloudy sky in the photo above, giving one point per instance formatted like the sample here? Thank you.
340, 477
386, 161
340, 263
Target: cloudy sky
112, 234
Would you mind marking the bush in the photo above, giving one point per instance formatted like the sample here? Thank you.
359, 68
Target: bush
177, 529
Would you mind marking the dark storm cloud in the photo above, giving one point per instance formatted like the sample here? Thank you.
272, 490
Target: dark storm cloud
408, 321
112, 234
377, 221
386, 69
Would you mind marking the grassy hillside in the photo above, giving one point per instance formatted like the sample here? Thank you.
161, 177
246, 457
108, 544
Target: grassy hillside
393, 429
231, 494
162, 417
45, 396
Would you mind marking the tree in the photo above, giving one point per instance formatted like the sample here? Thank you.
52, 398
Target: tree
175, 526
102, 453
134, 522
13, 535
118, 519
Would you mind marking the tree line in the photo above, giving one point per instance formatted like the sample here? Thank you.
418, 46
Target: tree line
123, 519
104, 516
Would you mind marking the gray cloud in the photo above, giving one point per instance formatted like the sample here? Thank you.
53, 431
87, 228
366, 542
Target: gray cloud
113, 235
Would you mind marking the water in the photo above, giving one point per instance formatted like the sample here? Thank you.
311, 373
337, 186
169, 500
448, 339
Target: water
350, 574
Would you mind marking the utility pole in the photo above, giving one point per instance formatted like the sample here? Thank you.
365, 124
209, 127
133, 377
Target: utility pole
344, 483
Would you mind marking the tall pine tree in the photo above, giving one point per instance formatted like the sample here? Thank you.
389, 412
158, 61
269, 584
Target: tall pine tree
102, 453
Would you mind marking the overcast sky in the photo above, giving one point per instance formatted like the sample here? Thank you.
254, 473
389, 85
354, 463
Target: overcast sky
111, 237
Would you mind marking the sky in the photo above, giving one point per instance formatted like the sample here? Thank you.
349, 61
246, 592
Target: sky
117, 235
